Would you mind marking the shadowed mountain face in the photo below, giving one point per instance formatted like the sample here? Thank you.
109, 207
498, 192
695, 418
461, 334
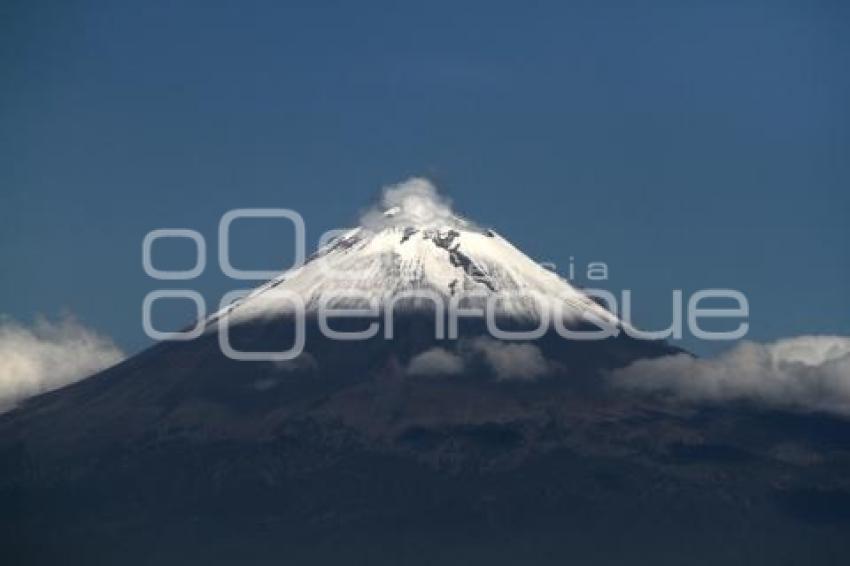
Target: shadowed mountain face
183, 456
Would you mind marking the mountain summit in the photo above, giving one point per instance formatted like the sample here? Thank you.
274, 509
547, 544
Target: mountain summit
414, 245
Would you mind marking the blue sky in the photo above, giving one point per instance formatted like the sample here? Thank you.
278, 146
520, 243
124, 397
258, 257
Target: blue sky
688, 145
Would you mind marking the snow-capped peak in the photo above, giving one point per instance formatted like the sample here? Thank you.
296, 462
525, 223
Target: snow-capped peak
414, 243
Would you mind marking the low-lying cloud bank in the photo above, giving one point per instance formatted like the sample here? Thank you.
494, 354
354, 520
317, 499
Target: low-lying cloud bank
47, 356
808, 373
507, 360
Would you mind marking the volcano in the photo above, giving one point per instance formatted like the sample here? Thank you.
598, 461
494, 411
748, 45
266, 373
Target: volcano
422, 448
448, 259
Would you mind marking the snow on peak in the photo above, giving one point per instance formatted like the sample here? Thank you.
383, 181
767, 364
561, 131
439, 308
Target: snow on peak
411, 242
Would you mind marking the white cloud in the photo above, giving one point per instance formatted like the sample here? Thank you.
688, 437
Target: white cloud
507, 360
436, 361
414, 202
511, 361
806, 373
48, 356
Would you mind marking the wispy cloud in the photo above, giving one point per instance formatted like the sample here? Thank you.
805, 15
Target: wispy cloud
507, 360
510, 360
48, 355
436, 362
414, 202
810, 373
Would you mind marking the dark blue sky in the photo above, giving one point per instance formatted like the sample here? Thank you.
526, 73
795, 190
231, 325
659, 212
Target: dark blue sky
686, 144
